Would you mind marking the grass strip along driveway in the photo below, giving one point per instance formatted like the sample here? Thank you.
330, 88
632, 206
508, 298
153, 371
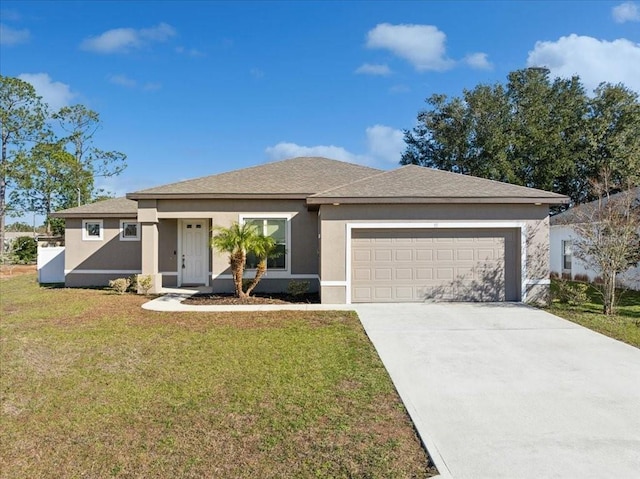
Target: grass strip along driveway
94, 386
623, 326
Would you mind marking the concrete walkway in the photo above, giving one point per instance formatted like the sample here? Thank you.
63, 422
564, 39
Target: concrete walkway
171, 300
509, 391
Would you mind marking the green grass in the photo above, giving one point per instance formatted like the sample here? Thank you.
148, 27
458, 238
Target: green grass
624, 326
94, 386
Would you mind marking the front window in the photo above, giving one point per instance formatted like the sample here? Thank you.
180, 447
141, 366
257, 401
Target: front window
566, 255
276, 228
129, 231
92, 230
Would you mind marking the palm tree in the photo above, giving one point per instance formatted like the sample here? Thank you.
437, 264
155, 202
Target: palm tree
236, 240
264, 248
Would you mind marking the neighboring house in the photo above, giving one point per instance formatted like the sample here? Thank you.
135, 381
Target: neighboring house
562, 240
357, 234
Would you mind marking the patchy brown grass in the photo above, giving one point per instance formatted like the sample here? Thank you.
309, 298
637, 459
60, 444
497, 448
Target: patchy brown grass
11, 270
94, 386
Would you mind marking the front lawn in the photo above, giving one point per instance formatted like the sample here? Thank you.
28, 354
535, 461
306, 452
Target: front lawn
624, 326
94, 386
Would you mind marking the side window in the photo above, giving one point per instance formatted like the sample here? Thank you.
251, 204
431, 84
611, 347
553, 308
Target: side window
566, 255
277, 229
92, 230
129, 230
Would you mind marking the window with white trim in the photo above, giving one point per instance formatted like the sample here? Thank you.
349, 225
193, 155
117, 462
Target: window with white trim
129, 230
566, 255
92, 230
276, 228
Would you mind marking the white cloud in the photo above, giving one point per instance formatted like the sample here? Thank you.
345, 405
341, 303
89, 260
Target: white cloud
13, 36
285, 150
121, 40
626, 12
479, 61
256, 73
594, 60
399, 88
373, 69
190, 52
151, 86
123, 80
422, 45
384, 145
55, 94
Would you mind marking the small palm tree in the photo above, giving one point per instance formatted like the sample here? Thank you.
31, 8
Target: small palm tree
236, 240
264, 248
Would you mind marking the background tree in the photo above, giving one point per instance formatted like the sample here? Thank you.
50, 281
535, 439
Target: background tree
609, 235
45, 180
25, 249
80, 125
20, 227
531, 131
613, 138
22, 119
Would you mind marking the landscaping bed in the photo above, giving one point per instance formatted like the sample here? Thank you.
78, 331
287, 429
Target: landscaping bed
257, 298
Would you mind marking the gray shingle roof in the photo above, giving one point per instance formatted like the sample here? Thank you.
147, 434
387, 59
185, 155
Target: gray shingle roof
580, 213
113, 207
296, 177
321, 181
413, 183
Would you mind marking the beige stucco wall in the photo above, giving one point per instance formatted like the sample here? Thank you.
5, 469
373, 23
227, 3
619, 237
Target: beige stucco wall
335, 218
110, 253
303, 248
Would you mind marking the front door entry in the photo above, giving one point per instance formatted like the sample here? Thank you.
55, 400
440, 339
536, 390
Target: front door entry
193, 263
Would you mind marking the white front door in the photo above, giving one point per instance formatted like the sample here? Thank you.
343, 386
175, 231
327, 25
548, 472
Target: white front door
193, 264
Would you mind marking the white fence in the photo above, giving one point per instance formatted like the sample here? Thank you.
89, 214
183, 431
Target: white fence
50, 264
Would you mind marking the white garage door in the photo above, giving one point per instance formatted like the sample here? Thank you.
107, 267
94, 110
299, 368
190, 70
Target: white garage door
434, 264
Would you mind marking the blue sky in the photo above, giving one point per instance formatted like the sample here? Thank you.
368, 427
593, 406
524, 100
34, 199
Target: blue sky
188, 89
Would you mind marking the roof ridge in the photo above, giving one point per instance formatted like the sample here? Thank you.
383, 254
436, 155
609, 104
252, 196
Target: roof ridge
381, 172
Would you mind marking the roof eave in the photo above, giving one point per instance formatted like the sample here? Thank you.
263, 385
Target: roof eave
218, 196
93, 214
314, 200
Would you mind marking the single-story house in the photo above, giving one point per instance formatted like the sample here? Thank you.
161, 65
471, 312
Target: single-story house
356, 233
563, 238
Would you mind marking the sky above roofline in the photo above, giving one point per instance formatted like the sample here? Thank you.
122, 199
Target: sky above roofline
188, 89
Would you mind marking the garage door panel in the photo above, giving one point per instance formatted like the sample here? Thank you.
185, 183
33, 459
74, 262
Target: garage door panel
362, 255
383, 274
362, 274
423, 255
443, 264
403, 255
404, 273
464, 254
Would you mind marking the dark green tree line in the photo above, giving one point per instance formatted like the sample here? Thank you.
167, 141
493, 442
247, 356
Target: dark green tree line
532, 131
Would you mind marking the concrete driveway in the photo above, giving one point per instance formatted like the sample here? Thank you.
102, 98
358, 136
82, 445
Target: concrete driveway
508, 391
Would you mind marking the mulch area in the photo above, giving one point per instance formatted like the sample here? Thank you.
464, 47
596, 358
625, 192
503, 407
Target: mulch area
257, 298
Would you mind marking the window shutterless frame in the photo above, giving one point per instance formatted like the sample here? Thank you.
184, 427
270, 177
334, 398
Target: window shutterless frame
92, 230
129, 230
277, 226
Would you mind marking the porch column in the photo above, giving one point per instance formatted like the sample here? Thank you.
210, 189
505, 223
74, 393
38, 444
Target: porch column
148, 218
